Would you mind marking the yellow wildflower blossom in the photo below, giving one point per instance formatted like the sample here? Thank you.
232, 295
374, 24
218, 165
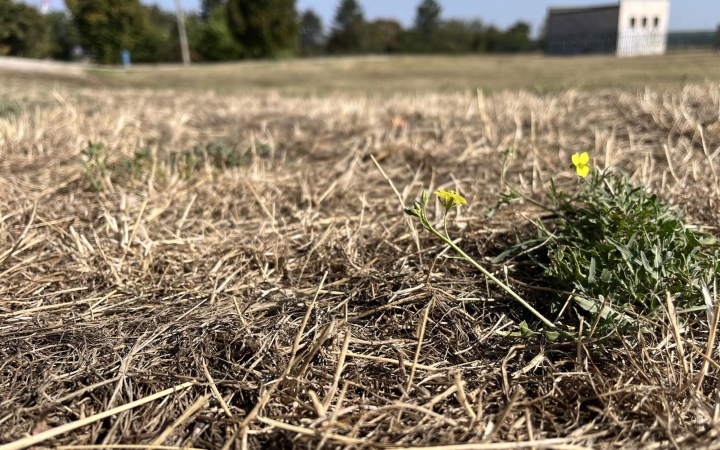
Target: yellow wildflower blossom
450, 198
582, 163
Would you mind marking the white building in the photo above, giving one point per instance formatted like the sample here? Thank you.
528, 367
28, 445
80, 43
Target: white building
627, 28
643, 27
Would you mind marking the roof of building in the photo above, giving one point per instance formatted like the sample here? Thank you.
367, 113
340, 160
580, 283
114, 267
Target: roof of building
580, 9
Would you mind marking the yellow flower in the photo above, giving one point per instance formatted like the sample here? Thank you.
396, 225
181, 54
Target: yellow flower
582, 163
450, 198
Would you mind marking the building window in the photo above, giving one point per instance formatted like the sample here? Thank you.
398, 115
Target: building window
644, 22
632, 22
656, 22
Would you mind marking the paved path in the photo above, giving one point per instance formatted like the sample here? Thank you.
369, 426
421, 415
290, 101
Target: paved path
11, 64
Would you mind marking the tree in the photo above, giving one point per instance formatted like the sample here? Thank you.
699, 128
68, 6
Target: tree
311, 31
265, 28
449, 36
161, 42
21, 30
427, 17
516, 38
457, 36
383, 36
213, 40
427, 35
63, 36
477, 29
107, 27
348, 14
491, 39
348, 28
207, 7
194, 26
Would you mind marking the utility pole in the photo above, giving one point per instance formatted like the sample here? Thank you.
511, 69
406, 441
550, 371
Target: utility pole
183, 35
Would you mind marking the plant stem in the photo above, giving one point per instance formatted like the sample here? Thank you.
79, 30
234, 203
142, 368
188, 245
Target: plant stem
447, 235
492, 277
526, 198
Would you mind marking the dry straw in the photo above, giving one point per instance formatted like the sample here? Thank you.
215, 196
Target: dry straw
246, 250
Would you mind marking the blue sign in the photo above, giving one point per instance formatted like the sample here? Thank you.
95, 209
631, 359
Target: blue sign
125, 55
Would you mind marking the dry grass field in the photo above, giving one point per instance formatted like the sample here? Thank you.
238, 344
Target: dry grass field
232, 270
412, 74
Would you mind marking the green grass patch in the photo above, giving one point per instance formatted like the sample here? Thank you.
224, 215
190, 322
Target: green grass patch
9, 108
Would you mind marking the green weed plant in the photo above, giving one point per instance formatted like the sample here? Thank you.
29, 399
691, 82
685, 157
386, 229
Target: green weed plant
94, 163
133, 167
615, 244
9, 108
612, 253
216, 154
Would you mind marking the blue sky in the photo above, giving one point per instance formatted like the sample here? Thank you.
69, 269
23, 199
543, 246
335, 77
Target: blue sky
684, 14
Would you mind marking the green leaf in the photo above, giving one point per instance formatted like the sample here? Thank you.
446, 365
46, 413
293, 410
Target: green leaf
552, 335
591, 272
412, 212
587, 304
646, 264
142, 155
606, 275
525, 330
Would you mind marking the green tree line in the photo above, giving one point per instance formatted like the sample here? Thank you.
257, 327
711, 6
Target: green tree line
99, 30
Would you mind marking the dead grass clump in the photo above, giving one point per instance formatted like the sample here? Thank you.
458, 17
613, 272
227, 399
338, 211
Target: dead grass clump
290, 292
